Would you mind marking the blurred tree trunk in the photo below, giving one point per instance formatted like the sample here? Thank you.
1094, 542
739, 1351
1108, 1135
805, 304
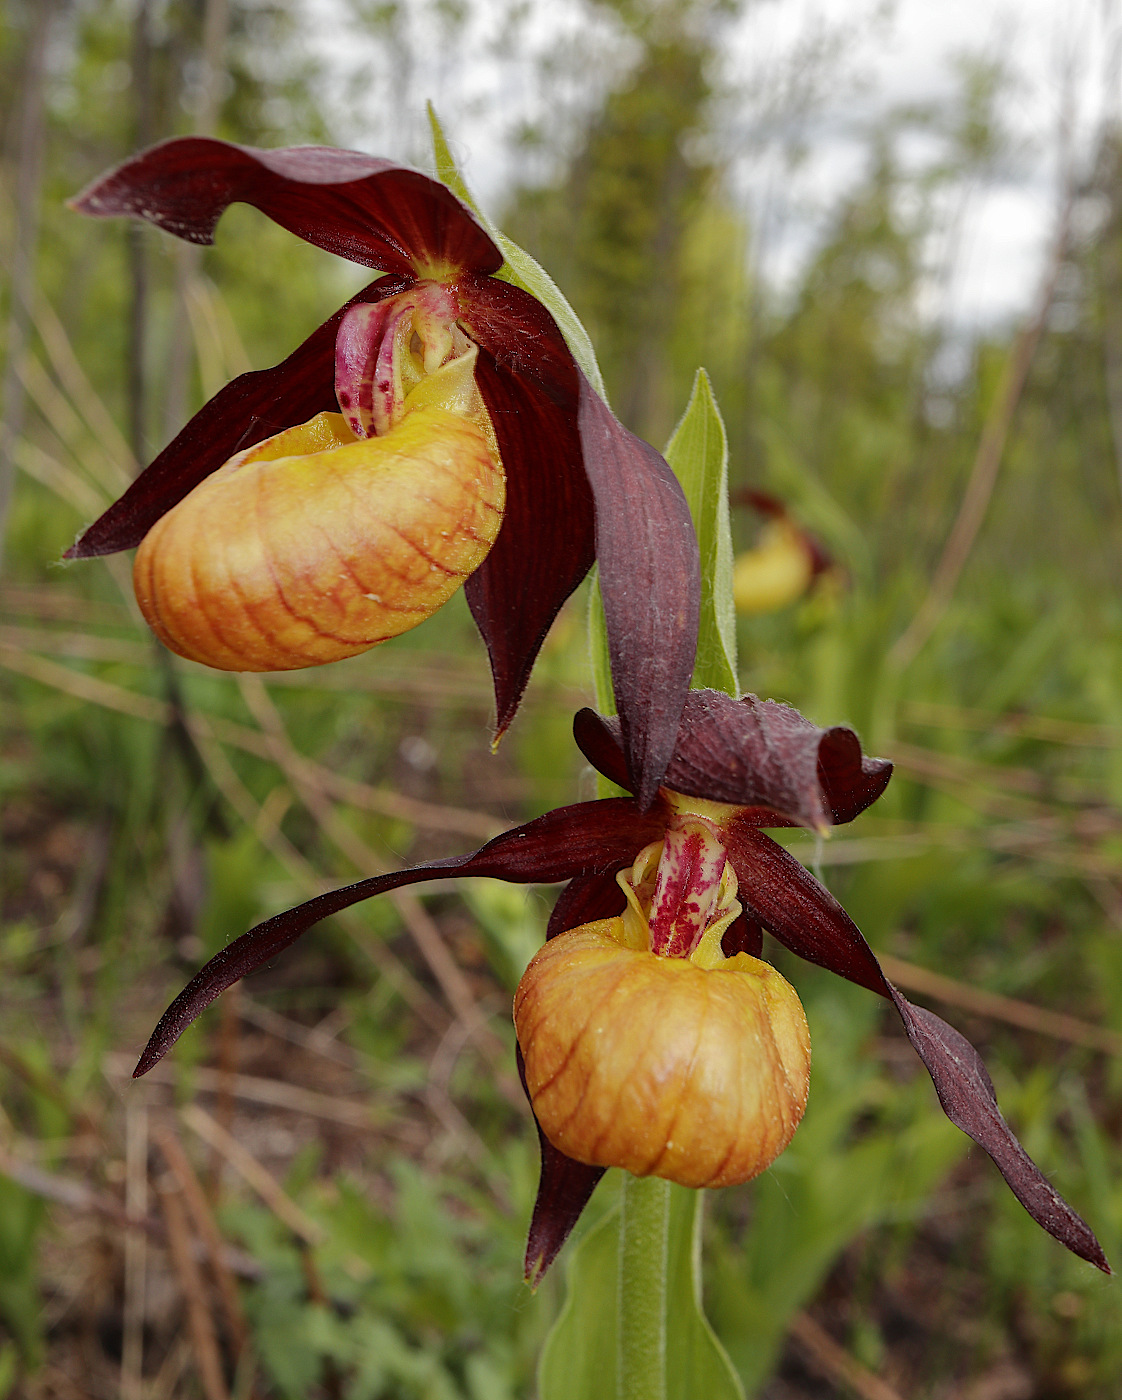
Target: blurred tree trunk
143, 130
28, 180
188, 256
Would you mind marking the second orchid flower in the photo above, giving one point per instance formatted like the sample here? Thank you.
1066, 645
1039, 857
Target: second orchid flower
651, 1035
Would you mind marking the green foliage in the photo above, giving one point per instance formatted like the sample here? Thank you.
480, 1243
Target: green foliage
579, 1358
420, 1301
699, 454
132, 850
831, 1184
21, 1217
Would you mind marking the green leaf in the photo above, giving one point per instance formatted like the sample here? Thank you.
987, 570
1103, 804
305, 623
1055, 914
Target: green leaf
520, 269
698, 452
448, 172
579, 1361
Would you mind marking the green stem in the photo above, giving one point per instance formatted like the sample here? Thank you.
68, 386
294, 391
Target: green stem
643, 1252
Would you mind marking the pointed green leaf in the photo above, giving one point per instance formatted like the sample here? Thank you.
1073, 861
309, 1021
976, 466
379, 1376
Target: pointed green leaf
698, 452
448, 172
520, 268
579, 1361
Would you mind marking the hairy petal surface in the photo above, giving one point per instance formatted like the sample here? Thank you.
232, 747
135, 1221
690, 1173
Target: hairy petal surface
360, 207
570, 841
650, 582
755, 754
249, 409
794, 907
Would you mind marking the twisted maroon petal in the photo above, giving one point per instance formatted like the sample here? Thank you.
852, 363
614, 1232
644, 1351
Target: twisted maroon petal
755, 754
367, 210
588, 898
562, 844
794, 907
546, 544
650, 583
565, 1185
250, 408
564, 1189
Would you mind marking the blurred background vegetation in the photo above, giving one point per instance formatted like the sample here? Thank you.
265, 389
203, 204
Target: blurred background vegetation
325, 1190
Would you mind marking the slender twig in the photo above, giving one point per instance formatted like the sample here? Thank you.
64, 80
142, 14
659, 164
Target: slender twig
415, 916
136, 1245
276, 1093
833, 1362
1055, 731
987, 460
432, 816
207, 1226
253, 1174
1055, 1024
28, 179
208, 1361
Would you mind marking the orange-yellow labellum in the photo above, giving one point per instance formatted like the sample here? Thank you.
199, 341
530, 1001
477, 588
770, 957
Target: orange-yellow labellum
659, 1065
316, 545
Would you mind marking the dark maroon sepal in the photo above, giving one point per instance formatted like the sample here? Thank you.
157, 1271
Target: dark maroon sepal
585, 900
250, 408
546, 544
743, 935
564, 1189
650, 583
368, 210
560, 845
755, 754
794, 907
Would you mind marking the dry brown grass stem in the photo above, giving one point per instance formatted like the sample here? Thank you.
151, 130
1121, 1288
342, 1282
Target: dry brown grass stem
45, 1084
259, 819
987, 460
257, 1177
275, 1093
136, 1245
73, 1195
420, 924
53, 604
15, 655
832, 1361
1019, 726
200, 1324
105, 476
82, 646
76, 1196
83, 395
928, 763
312, 1039
1055, 1024
207, 1226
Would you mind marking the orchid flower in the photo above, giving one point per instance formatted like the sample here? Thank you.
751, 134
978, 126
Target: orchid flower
436, 429
651, 1034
